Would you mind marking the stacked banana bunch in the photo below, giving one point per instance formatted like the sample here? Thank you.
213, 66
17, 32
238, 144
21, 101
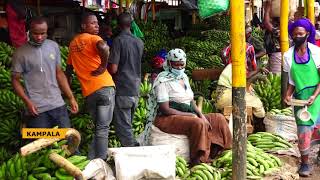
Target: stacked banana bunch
259, 163
268, 141
204, 171
6, 53
145, 88
182, 170
282, 112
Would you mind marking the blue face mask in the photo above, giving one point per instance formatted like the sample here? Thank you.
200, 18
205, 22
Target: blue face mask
177, 72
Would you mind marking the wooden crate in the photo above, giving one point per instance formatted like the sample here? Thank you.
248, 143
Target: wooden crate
227, 111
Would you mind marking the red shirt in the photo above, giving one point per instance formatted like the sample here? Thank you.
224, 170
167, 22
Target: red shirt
17, 27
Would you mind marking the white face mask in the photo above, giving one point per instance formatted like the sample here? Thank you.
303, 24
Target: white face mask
177, 72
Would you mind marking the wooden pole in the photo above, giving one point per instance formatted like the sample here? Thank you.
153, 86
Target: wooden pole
127, 4
120, 7
238, 53
38, 8
284, 43
194, 17
310, 10
153, 10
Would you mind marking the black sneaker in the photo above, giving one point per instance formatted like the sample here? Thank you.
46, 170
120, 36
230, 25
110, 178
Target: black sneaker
304, 170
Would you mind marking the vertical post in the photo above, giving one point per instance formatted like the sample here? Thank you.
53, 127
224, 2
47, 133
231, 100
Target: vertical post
127, 4
238, 50
153, 10
310, 10
284, 42
194, 17
38, 8
120, 7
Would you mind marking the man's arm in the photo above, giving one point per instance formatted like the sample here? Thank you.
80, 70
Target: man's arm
267, 20
103, 51
18, 88
112, 68
69, 72
114, 57
63, 83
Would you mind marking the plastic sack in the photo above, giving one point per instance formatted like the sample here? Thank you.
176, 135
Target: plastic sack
208, 8
144, 162
180, 142
136, 30
284, 126
98, 169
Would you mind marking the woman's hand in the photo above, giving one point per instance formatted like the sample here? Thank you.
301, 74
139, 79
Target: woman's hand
206, 121
311, 100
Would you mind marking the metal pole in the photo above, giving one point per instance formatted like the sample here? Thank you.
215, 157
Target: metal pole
284, 43
310, 10
153, 10
238, 53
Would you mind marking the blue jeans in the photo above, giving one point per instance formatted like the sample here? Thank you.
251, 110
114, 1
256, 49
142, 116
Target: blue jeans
100, 105
123, 116
55, 117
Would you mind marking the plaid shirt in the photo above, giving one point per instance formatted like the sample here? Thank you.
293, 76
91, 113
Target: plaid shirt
251, 64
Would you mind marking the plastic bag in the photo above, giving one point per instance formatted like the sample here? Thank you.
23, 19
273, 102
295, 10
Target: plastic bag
144, 162
208, 8
98, 169
136, 30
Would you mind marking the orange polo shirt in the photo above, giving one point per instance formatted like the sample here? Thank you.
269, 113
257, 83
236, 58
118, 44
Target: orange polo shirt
83, 56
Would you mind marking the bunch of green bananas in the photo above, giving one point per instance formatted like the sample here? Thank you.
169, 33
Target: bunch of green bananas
79, 161
5, 78
207, 107
268, 141
145, 88
10, 103
220, 36
75, 85
182, 170
64, 52
221, 22
10, 130
139, 120
204, 171
269, 91
6, 53
84, 124
282, 112
5, 154
258, 163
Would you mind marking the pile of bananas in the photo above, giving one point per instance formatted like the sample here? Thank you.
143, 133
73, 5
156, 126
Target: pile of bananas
6, 53
10, 130
5, 78
84, 124
269, 91
259, 163
64, 52
145, 88
282, 112
268, 142
140, 117
203, 172
182, 170
10, 103
80, 161
4, 154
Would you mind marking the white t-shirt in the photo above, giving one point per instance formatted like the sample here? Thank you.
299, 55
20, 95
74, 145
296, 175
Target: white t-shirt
174, 91
287, 57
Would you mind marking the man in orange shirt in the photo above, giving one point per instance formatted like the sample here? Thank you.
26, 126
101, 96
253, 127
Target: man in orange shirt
88, 56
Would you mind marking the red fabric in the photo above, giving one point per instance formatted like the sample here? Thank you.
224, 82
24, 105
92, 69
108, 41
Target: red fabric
250, 57
17, 28
318, 43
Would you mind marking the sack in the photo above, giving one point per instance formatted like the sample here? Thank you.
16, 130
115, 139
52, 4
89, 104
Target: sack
180, 142
284, 126
144, 162
276, 6
208, 8
136, 30
98, 169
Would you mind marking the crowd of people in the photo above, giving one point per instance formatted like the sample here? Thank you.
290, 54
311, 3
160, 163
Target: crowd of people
109, 70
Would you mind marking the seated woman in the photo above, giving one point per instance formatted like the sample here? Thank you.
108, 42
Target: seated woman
224, 89
177, 114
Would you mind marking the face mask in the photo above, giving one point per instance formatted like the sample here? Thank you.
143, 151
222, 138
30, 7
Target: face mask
177, 72
33, 42
298, 41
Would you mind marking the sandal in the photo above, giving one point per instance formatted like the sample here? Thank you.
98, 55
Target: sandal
304, 170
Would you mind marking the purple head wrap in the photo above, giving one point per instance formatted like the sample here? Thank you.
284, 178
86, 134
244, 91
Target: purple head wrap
307, 25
